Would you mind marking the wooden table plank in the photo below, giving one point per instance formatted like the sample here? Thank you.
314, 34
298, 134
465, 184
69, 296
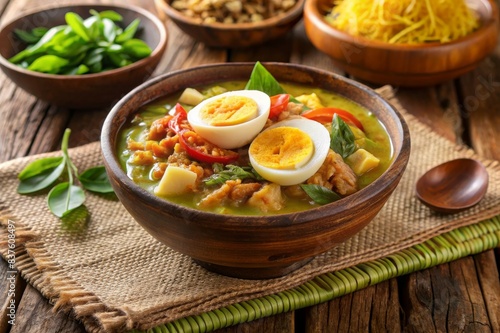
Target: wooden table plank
467, 290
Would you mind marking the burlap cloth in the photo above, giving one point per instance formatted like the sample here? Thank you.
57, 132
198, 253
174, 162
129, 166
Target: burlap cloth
114, 276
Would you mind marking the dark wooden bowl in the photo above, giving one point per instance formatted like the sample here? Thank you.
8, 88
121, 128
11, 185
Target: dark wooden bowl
239, 35
402, 64
253, 246
89, 90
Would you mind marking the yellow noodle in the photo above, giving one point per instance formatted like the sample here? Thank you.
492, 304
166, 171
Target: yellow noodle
405, 21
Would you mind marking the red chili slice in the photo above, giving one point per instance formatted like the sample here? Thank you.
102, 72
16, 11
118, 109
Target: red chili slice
204, 151
325, 115
279, 104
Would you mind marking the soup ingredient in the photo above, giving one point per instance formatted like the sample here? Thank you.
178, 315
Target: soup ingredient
176, 180
320, 194
231, 11
279, 103
65, 197
325, 115
404, 21
203, 151
362, 161
230, 172
93, 45
290, 151
229, 110
241, 128
342, 139
191, 96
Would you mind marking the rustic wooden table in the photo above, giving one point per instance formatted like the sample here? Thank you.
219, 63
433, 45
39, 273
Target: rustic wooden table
462, 296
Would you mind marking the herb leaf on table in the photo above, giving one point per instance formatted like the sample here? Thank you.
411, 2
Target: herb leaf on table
65, 196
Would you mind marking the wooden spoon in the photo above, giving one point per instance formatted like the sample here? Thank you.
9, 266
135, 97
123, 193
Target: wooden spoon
453, 186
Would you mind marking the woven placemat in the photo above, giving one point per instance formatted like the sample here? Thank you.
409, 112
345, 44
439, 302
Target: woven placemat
113, 276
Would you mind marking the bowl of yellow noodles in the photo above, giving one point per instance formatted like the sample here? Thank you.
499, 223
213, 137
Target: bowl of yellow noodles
403, 42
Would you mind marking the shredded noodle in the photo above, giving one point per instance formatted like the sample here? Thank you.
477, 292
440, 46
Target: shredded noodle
404, 21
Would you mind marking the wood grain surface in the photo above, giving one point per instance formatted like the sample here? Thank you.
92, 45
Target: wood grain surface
462, 296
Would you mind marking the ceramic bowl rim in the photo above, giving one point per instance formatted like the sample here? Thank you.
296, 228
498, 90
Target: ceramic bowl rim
110, 157
133, 8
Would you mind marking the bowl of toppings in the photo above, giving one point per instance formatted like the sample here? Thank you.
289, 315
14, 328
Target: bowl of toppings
408, 43
233, 24
253, 169
82, 56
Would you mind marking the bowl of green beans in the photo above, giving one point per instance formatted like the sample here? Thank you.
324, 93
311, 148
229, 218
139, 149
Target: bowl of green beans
82, 56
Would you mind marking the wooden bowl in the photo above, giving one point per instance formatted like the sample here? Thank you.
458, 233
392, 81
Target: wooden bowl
402, 64
253, 246
88, 90
238, 35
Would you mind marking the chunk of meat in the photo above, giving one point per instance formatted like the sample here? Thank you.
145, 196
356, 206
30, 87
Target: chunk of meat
269, 198
232, 190
335, 175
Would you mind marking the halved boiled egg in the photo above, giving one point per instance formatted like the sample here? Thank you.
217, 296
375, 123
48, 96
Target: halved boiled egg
232, 119
291, 151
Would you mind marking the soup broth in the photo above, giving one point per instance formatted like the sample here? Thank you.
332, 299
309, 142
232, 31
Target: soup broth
145, 172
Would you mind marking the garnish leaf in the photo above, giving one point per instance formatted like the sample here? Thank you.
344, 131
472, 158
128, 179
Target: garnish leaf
230, 172
262, 80
37, 181
129, 32
65, 197
96, 180
40, 166
76, 23
319, 194
342, 139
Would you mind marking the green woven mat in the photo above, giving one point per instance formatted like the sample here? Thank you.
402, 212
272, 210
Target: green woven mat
441, 249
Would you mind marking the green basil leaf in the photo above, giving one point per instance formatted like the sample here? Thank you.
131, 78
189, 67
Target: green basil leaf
129, 32
108, 30
96, 180
111, 14
93, 25
342, 139
40, 181
262, 80
79, 70
48, 64
65, 197
76, 23
136, 48
39, 46
94, 56
26, 36
319, 194
119, 59
40, 166
230, 172
39, 31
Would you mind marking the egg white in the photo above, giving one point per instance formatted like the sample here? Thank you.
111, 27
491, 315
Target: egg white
233, 136
321, 142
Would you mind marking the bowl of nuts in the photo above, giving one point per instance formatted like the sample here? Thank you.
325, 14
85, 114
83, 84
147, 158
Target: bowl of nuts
232, 24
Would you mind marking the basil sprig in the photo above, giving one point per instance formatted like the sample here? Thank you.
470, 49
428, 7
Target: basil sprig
66, 196
230, 172
81, 46
342, 138
320, 194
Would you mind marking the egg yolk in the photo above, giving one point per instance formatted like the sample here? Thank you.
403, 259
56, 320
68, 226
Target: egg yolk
282, 148
229, 110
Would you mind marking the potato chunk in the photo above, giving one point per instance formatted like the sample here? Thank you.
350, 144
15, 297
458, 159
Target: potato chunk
176, 180
362, 161
191, 96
